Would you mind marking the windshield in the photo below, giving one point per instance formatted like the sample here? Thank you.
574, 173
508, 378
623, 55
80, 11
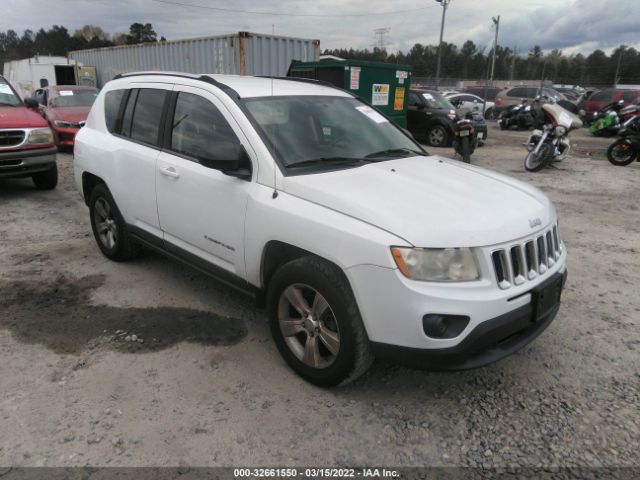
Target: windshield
308, 128
7, 97
435, 100
74, 98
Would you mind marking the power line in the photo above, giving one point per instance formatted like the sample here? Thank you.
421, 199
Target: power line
282, 14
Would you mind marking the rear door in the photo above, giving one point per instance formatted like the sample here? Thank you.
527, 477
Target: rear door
202, 210
136, 151
417, 114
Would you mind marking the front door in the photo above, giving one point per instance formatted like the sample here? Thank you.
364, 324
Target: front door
201, 210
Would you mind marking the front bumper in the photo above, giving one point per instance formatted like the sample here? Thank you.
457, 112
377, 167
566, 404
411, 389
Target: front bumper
490, 341
64, 137
23, 163
393, 308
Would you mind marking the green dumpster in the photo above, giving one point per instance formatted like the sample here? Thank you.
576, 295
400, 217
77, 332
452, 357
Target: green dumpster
384, 85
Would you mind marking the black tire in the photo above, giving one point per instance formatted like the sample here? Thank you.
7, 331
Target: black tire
620, 153
489, 114
438, 136
110, 219
311, 276
465, 150
46, 180
535, 163
503, 125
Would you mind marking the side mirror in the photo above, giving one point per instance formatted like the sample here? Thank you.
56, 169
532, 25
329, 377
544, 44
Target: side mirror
229, 157
31, 103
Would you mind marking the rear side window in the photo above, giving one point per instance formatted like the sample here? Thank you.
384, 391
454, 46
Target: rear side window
147, 114
602, 96
517, 92
112, 102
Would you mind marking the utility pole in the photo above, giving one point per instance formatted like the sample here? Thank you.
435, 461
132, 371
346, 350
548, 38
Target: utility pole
513, 63
496, 22
381, 38
445, 4
617, 77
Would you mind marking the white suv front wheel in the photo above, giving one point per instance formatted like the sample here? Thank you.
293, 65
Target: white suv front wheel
316, 324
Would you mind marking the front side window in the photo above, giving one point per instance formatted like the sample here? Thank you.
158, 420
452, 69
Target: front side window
7, 97
198, 128
325, 128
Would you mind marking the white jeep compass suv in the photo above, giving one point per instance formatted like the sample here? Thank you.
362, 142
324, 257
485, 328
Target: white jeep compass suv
360, 243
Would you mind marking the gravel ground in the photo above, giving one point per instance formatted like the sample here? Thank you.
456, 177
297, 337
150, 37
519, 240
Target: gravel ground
150, 363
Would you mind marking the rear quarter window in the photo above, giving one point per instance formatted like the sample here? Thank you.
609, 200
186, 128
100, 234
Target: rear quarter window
112, 103
602, 96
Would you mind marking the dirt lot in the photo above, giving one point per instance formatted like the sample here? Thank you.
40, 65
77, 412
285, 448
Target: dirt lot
207, 386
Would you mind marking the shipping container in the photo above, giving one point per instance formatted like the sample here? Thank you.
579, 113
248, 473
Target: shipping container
384, 85
242, 53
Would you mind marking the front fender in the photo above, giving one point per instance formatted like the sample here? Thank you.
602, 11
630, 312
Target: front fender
334, 236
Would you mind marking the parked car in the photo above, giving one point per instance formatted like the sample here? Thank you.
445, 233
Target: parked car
26, 141
431, 117
514, 96
467, 102
66, 108
598, 100
480, 92
358, 241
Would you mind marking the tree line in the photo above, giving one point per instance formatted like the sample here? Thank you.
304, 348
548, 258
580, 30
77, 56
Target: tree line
469, 62
473, 62
58, 41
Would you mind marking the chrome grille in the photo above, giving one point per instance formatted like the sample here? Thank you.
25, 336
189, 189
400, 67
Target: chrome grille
10, 138
522, 262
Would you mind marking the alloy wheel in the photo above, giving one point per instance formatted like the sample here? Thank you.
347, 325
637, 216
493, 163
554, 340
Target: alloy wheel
308, 325
105, 223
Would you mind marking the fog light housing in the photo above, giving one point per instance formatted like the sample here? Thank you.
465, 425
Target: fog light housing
443, 326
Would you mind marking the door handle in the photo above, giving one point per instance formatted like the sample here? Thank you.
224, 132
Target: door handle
169, 172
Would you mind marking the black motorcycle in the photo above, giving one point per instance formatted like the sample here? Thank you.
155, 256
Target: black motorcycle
606, 122
465, 137
523, 116
626, 150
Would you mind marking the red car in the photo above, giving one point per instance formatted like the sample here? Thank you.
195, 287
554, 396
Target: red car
26, 141
66, 108
602, 98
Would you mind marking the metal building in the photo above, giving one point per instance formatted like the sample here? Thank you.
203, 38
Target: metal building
241, 53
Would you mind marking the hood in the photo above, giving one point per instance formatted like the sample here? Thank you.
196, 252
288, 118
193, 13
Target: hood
69, 114
430, 201
20, 117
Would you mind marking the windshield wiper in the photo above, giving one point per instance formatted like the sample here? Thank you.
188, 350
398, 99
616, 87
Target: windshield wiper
395, 152
326, 160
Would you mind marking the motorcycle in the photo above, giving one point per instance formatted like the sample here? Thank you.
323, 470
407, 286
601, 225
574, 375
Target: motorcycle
551, 142
465, 137
524, 116
625, 150
606, 122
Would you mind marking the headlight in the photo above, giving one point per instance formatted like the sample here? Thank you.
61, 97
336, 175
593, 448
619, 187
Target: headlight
63, 124
560, 131
40, 136
436, 264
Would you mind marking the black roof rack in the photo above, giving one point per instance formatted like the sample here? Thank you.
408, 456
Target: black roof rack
201, 77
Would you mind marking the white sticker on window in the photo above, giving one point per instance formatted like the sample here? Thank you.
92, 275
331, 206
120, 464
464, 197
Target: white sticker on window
372, 114
66, 93
428, 96
4, 88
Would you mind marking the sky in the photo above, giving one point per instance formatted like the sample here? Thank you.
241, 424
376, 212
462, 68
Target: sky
571, 25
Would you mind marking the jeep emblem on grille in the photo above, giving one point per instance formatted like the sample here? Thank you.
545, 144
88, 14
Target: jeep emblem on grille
534, 222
